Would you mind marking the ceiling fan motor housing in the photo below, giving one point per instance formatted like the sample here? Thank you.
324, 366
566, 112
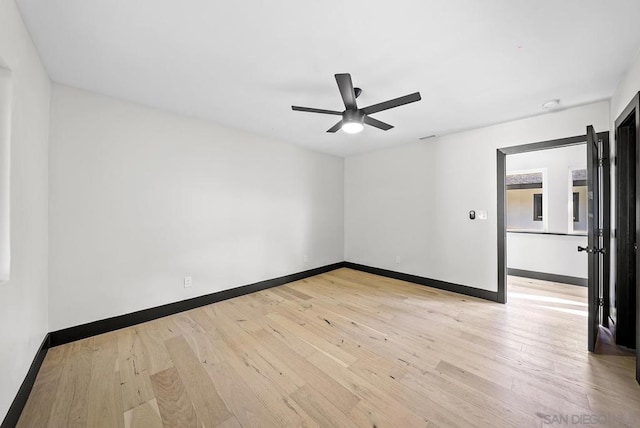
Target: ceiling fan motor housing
353, 116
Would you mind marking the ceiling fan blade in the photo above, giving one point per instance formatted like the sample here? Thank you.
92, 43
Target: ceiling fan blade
346, 90
378, 124
316, 110
335, 127
396, 102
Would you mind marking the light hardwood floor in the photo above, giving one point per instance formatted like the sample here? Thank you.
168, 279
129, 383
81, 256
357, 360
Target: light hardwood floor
345, 348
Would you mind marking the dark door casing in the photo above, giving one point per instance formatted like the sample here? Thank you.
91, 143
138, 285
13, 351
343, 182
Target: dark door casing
623, 297
627, 286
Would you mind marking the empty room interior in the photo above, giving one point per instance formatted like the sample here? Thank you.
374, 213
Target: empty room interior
371, 214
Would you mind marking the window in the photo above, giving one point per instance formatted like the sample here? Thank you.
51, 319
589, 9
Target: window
537, 207
577, 200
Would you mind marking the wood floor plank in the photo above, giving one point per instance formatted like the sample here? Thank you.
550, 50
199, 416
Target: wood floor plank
478, 410
210, 408
321, 340
174, 405
504, 402
417, 403
70, 406
338, 395
273, 391
105, 395
52, 365
321, 410
198, 338
242, 401
152, 336
146, 415
134, 378
381, 407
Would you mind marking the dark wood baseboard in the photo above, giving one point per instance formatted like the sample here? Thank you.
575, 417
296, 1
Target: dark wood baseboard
442, 285
60, 337
572, 280
13, 415
94, 328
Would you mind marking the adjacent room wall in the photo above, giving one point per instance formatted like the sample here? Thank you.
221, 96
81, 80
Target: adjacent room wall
520, 207
23, 298
552, 254
141, 198
413, 201
557, 164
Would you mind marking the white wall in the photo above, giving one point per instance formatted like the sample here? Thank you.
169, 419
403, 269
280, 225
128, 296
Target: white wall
6, 85
413, 201
555, 254
628, 87
141, 198
23, 299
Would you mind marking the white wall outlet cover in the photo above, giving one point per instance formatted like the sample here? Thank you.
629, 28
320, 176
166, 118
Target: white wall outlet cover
188, 281
481, 214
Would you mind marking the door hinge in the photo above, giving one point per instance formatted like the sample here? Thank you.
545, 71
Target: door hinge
600, 301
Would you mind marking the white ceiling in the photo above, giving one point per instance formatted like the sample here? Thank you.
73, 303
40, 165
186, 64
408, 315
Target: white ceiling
243, 63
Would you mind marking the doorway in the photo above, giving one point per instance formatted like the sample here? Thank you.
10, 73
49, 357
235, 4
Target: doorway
598, 213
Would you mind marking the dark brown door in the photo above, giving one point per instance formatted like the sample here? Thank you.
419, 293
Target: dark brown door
594, 247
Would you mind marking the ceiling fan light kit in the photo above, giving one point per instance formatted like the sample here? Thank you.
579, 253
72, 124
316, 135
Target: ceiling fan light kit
354, 118
352, 127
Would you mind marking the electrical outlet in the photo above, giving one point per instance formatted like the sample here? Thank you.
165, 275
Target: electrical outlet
188, 281
398, 260
482, 214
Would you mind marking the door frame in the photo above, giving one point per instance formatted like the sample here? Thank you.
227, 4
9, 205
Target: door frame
501, 156
631, 108
625, 226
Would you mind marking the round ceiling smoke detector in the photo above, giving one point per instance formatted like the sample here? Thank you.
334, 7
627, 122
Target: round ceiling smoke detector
551, 105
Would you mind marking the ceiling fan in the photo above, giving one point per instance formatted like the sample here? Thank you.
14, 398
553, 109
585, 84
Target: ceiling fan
353, 117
